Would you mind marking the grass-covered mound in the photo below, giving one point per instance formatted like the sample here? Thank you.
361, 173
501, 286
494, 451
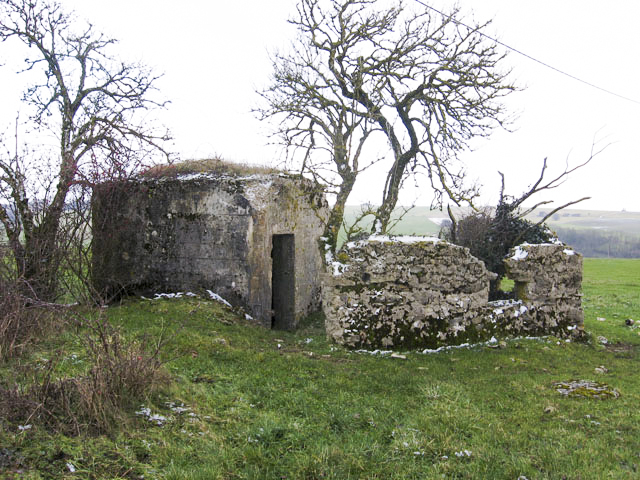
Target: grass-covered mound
246, 402
209, 166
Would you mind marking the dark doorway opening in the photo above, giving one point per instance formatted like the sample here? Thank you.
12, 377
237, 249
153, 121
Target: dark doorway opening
283, 284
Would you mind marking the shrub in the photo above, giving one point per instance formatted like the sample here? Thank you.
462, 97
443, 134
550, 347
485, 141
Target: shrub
211, 166
121, 374
489, 235
20, 323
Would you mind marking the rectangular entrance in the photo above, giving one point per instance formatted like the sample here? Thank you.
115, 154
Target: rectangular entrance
283, 282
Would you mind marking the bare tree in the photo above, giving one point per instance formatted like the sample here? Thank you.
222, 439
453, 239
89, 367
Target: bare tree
94, 104
491, 233
321, 128
423, 82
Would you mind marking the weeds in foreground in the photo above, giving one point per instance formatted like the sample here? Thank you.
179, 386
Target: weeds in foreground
120, 372
20, 323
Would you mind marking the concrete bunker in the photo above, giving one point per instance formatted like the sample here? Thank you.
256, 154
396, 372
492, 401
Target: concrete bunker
252, 239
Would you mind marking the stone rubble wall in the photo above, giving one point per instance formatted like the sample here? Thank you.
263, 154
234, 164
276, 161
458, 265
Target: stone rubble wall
548, 276
420, 292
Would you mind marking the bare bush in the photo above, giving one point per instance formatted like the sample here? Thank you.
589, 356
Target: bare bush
122, 372
20, 322
98, 108
491, 233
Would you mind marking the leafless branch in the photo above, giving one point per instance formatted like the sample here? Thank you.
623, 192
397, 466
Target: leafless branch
98, 106
423, 84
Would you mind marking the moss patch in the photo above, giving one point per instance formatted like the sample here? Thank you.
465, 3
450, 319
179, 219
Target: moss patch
586, 389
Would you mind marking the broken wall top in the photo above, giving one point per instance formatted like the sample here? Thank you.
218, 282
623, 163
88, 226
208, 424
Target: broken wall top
258, 190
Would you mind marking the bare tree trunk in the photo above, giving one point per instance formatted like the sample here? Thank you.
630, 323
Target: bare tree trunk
336, 216
390, 198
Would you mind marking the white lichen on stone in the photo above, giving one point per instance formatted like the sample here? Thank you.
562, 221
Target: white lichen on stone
431, 293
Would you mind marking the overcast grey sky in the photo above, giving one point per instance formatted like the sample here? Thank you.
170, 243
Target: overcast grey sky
215, 54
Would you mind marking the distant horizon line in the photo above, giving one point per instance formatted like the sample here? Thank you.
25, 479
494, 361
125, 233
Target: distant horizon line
624, 210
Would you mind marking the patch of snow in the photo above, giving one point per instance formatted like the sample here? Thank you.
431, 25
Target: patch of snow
177, 408
505, 303
158, 296
463, 453
339, 268
376, 352
474, 345
405, 239
185, 177
519, 253
258, 193
154, 418
218, 298
569, 252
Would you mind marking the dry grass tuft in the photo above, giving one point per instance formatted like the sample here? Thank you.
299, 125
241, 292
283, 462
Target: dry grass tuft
211, 166
20, 323
122, 373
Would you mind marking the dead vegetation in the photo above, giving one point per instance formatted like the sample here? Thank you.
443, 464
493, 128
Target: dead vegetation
210, 166
119, 373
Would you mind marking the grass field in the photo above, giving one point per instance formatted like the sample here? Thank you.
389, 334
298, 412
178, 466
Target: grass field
260, 404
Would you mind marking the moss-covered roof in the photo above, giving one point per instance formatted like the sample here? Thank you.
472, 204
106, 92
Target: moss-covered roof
209, 166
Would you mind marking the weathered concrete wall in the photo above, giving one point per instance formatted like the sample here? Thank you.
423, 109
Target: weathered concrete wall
210, 233
417, 292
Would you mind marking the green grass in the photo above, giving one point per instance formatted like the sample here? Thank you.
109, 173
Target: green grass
272, 405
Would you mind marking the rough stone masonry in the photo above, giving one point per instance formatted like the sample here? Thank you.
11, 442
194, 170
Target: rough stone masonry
424, 293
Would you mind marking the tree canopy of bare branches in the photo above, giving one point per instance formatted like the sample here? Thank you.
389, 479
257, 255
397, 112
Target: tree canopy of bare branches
422, 83
93, 103
491, 233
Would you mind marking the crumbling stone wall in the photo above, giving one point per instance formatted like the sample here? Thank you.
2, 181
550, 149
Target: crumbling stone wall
418, 292
548, 276
208, 232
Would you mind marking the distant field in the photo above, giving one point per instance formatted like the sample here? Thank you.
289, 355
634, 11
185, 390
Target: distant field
624, 222
423, 220
594, 233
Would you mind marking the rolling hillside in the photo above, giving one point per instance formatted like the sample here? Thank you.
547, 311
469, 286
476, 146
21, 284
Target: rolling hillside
595, 233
